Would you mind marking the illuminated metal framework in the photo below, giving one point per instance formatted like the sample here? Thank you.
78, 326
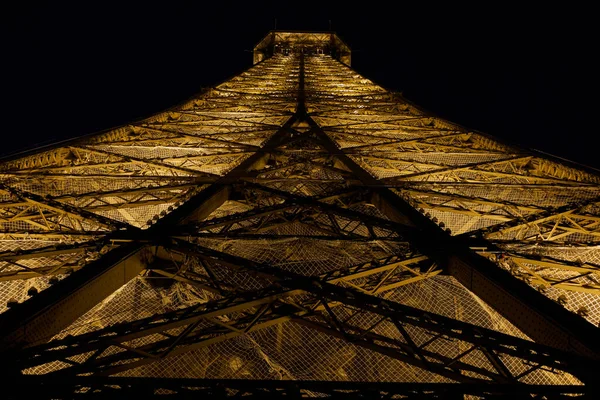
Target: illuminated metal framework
298, 231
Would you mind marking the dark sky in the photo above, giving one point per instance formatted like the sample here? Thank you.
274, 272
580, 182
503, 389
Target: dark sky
526, 76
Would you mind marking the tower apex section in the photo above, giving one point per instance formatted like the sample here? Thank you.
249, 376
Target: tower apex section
294, 42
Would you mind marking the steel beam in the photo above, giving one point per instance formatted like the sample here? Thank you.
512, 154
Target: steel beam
44, 315
540, 318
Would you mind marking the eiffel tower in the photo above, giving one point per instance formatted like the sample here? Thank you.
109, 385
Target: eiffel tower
298, 231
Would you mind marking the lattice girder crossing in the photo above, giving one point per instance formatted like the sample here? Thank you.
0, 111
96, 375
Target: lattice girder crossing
265, 310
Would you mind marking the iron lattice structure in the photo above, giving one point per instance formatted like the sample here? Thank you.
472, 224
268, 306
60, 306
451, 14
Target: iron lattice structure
299, 231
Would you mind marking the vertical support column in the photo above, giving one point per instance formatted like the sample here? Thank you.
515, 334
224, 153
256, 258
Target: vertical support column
538, 317
46, 314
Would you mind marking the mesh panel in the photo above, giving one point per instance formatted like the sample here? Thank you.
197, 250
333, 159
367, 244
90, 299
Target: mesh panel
279, 352
582, 298
140, 298
306, 256
32, 274
17, 291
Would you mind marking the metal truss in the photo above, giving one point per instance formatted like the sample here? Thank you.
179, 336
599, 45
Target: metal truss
245, 312
299, 194
131, 345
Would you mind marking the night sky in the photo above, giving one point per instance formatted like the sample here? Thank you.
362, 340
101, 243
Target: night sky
525, 76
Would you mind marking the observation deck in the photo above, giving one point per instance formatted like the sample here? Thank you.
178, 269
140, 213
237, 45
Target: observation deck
288, 43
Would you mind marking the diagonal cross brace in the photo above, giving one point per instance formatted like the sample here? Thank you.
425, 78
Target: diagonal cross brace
490, 341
